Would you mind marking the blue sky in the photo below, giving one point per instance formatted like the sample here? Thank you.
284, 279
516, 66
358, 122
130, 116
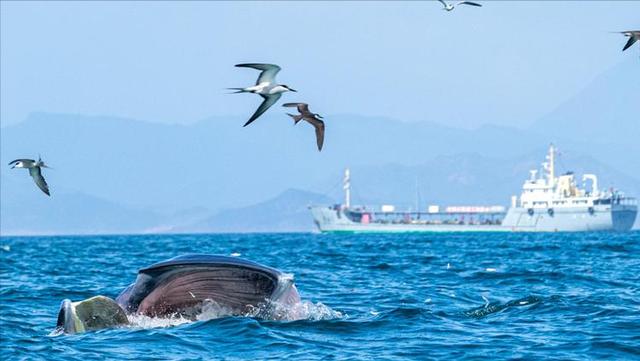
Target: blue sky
506, 63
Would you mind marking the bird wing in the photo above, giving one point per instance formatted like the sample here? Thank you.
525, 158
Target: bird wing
22, 160
443, 3
319, 125
302, 107
468, 3
268, 74
36, 174
632, 39
269, 100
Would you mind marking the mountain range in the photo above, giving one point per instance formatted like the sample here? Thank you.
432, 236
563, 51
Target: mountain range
112, 174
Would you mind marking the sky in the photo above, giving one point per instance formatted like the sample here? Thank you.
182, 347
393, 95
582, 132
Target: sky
507, 63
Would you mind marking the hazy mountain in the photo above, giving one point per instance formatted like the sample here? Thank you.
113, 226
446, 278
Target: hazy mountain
286, 212
463, 179
467, 179
118, 175
218, 164
607, 110
26, 210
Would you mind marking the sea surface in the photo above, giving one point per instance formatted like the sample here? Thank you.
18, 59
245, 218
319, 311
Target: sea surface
383, 297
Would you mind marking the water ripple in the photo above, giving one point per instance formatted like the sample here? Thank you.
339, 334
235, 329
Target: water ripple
395, 296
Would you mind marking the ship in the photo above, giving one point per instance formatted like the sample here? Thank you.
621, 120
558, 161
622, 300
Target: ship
547, 203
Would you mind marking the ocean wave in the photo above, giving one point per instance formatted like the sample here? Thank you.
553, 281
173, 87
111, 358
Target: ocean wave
569, 296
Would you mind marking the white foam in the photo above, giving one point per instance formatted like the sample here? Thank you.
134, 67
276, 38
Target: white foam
142, 321
304, 310
212, 310
307, 310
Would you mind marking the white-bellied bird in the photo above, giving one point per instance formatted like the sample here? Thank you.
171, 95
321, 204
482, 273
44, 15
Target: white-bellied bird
452, 6
311, 118
634, 35
34, 171
265, 86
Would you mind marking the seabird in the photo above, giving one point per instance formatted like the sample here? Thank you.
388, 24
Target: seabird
312, 118
34, 171
452, 6
265, 86
633, 35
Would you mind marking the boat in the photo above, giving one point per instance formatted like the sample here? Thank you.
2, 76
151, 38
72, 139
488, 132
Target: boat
547, 203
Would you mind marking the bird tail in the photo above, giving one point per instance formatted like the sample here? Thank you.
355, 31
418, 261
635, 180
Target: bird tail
296, 118
237, 90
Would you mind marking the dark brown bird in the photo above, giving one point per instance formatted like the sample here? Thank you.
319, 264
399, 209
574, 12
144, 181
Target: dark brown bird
312, 118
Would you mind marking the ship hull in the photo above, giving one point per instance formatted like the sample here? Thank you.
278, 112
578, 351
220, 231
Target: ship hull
570, 219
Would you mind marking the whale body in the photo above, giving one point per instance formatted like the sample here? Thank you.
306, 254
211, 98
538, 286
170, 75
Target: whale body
183, 286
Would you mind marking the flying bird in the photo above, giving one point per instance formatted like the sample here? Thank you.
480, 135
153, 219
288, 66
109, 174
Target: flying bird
452, 6
311, 118
266, 87
634, 35
34, 171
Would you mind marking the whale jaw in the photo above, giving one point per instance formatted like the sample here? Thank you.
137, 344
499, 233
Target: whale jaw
94, 313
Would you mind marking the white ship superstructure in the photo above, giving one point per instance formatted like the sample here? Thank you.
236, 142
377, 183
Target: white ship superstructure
547, 204
550, 203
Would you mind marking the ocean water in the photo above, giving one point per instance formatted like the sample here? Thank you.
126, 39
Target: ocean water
393, 296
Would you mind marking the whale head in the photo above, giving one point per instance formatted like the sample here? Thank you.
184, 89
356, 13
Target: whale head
94, 313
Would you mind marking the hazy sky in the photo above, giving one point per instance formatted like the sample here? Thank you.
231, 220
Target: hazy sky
506, 63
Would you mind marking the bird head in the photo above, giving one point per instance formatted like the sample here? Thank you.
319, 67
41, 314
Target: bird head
289, 89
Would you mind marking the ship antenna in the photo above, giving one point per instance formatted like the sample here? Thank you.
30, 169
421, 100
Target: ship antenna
552, 153
347, 188
417, 195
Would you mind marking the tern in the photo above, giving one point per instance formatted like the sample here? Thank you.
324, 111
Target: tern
265, 86
634, 35
452, 6
311, 118
34, 171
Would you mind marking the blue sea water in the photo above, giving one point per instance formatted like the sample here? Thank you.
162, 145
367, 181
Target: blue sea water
369, 296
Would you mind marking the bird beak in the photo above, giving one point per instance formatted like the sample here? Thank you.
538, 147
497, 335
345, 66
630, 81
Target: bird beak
13, 166
319, 116
293, 90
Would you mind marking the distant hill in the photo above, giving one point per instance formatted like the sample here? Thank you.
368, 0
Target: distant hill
218, 164
605, 111
467, 179
287, 212
463, 179
114, 174
25, 210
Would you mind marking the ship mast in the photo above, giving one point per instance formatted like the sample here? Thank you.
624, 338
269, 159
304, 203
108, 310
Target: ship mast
552, 165
346, 185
